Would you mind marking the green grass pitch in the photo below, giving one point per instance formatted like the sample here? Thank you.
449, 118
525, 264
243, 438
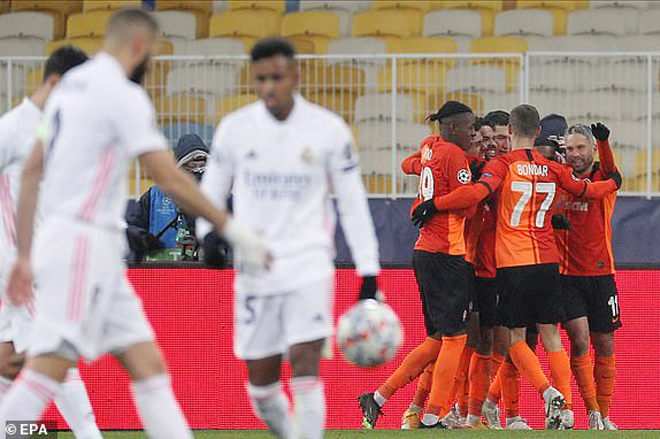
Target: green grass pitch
397, 434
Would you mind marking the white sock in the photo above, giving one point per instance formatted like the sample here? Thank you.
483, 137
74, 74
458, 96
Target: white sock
271, 405
510, 421
159, 411
309, 405
472, 419
27, 398
415, 408
73, 404
5, 384
429, 419
380, 399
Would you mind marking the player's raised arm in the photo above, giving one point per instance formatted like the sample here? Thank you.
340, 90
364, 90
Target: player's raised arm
605, 154
583, 188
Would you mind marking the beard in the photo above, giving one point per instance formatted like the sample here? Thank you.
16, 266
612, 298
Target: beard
140, 71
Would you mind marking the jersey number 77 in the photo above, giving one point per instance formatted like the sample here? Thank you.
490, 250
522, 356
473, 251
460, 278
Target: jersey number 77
527, 188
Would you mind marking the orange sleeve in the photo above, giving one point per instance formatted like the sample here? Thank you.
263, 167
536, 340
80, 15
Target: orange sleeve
581, 188
413, 164
457, 169
606, 156
462, 198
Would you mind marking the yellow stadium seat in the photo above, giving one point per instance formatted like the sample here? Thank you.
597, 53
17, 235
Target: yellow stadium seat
320, 27
377, 184
302, 45
95, 5
4, 6
559, 9
422, 77
201, 8
232, 103
180, 107
90, 45
341, 102
154, 81
420, 5
429, 45
245, 23
487, 9
501, 45
342, 77
88, 24
58, 9
387, 23
474, 101
278, 6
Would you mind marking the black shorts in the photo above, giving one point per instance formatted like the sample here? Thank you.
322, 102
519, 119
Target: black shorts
443, 285
487, 300
594, 297
473, 305
529, 294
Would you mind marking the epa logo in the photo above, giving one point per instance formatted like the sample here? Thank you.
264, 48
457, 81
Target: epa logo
27, 429
464, 176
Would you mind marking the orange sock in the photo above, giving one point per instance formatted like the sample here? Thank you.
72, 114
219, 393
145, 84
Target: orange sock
496, 362
413, 365
583, 371
605, 374
510, 381
445, 369
463, 398
528, 366
461, 374
424, 386
479, 379
495, 390
560, 371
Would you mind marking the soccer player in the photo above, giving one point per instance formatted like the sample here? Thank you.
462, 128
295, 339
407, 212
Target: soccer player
280, 157
94, 123
586, 265
488, 144
499, 119
18, 128
524, 185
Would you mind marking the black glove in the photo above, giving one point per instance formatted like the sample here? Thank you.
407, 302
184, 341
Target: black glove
369, 288
616, 176
423, 212
141, 242
475, 168
600, 131
215, 251
560, 222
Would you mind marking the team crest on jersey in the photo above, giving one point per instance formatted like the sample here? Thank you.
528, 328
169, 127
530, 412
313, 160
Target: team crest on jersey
464, 176
307, 155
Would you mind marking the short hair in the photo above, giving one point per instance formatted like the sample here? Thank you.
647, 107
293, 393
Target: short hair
129, 18
482, 122
62, 60
497, 118
580, 128
270, 47
525, 121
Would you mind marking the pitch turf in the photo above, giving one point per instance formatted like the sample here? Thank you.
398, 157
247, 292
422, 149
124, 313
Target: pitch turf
394, 434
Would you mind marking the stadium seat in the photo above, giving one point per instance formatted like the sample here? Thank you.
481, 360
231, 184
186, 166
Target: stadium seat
174, 131
452, 23
338, 101
352, 6
637, 43
95, 5
27, 24
474, 101
596, 22
476, 78
180, 108
246, 25
428, 45
378, 106
649, 22
422, 6
219, 6
505, 101
559, 8
387, 24
4, 8
90, 45
524, 23
201, 8
352, 48
319, 27
232, 103
572, 43
344, 14
629, 10
487, 9
59, 9
278, 6
88, 24
316, 77
633, 4
215, 47
501, 45
375, 143
179, 24
201, 78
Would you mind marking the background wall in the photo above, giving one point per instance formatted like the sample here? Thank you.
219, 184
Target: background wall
191, 311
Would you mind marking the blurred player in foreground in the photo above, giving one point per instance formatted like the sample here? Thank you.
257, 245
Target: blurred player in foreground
95, 122
18, 129
280, 157
524, 185
590, 298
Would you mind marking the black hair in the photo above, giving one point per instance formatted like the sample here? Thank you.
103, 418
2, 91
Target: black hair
497, 118
62, 60
272, 46
449, 109
525, 121
482, 122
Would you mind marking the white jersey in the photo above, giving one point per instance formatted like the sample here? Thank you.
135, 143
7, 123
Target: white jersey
95, 122
18, 130
280, 174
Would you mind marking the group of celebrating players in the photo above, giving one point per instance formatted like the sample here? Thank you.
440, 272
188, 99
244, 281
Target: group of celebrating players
515, 238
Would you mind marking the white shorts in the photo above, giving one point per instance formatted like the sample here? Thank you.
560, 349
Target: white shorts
15, 322
83, 297
269, 325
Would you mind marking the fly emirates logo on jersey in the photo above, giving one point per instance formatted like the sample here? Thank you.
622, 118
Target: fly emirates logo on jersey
532, 169
277, 186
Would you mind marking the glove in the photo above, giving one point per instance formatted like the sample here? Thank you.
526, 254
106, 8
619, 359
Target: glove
215, 252
560, 222
141, 242
475, 168
600, 131
369, 288
254, 254
616, 176
423, 212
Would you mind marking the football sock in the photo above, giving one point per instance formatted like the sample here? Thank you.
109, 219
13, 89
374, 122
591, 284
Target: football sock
479, 378
27, 398
495, 390
583, 371
560, 371
5, 384
73, 403
528, 365
424, 386
463, 397
271, 405
309, 405
496, 362
460, 377
605, 374
510, 383
158, 409
443, 375
411, 367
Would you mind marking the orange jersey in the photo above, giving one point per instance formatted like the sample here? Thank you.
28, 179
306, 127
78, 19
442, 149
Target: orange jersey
444, 168
473, 226
485, 264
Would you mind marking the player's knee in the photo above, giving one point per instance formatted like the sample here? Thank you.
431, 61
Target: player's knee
603, 343
305, 358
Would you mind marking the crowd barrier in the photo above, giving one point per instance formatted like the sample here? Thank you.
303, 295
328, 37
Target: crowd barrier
191, 312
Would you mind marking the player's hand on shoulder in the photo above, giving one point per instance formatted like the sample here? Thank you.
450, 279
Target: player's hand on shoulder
616, 176
600, 131
255, 255
423, 212
560, 222
19, 287
215, 251
476, 168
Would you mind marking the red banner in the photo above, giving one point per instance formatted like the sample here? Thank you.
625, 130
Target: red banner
191, 312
